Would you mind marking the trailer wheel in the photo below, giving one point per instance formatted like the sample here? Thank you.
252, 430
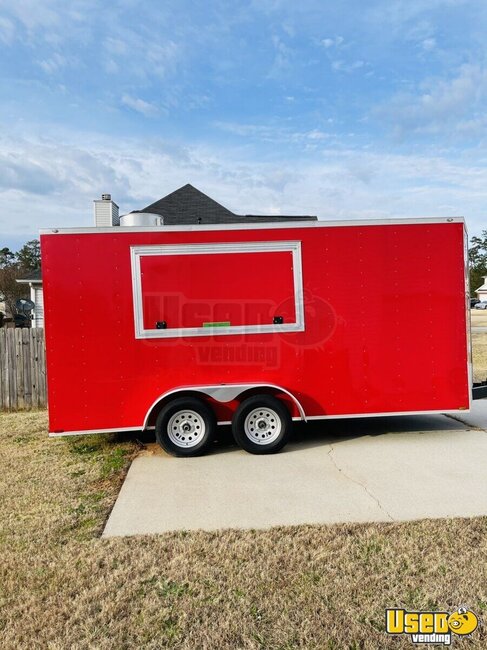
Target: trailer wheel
261, 425
185, 427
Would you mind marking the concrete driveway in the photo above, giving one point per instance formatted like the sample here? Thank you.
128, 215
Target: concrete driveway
380, 469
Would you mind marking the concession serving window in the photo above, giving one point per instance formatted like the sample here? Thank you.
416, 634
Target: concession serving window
217, 289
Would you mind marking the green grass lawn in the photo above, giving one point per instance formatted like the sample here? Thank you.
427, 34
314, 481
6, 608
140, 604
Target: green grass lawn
61, 586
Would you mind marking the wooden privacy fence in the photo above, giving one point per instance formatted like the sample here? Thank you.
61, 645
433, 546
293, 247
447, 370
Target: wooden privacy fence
22, 369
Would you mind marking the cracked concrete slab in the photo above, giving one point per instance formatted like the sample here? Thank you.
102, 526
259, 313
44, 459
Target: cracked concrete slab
477, 416
377, 469
359, 483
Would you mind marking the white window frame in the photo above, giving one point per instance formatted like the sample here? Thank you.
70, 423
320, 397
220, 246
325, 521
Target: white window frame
138, 252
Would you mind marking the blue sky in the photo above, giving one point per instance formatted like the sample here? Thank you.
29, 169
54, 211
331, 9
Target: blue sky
342, 109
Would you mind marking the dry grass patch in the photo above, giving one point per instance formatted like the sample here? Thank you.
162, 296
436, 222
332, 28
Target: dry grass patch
479, 355
478, 317
61, 586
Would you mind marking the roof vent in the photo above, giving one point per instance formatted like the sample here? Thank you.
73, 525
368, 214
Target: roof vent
136, 218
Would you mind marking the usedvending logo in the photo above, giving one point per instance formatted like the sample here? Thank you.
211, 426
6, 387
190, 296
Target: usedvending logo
431, 627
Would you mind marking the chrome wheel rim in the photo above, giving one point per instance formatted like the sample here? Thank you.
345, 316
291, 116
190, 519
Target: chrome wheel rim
186, 428
262, 426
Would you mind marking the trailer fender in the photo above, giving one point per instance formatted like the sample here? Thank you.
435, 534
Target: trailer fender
221, 393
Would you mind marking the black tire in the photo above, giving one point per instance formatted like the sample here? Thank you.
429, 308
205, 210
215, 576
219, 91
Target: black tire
196, 416
261, 425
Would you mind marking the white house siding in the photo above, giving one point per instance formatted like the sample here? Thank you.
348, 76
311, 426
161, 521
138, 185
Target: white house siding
482, 291
37, 296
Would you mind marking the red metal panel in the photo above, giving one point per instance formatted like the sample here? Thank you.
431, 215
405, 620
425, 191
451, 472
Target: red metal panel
385, 325
188, 290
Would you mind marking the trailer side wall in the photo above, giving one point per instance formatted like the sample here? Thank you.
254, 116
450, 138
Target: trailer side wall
384, 310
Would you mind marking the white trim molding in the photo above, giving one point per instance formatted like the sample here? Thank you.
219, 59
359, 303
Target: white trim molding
223, 393
282, 225
138, 252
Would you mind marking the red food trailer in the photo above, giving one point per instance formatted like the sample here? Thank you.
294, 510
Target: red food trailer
184, 328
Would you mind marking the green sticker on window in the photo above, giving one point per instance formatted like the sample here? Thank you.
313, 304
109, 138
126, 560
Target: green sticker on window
223, 323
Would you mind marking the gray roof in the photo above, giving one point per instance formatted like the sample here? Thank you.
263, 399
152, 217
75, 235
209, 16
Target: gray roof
187, 205
33, 276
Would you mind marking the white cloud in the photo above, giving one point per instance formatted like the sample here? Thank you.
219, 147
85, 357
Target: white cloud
136, 54
250, 130
276, 134
344, 66
316, 134
282, 58
53, 64
51, 22
140, 106
161, 57
439, 104
336, 41
111, 67
115, 46
7, 31
139, 49
428, 44
397, 13
25, 173
35, 15
66, 172
337, 47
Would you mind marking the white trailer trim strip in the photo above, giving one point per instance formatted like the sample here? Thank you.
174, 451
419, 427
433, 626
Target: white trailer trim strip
380, 415
92, 432
456, 412
127, 230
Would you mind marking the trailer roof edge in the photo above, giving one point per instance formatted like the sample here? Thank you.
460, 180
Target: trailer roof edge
254, 226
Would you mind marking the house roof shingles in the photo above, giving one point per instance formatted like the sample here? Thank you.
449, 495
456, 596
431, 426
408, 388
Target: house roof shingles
188, 205
33, 276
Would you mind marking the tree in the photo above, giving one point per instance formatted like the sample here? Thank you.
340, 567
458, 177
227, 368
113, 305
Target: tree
477, 259
29, 256
9, 288
7, 258
13, 266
